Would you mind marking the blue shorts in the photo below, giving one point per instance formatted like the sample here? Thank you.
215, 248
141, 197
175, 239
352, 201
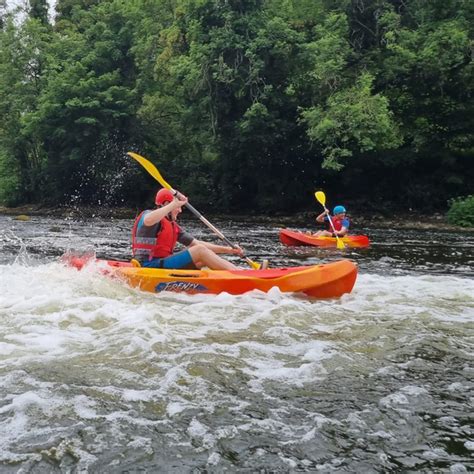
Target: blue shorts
178, 260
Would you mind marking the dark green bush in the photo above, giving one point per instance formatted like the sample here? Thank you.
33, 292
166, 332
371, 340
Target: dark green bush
461, 211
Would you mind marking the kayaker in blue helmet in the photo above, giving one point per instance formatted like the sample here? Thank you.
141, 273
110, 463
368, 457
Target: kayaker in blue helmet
156, 232
340, 222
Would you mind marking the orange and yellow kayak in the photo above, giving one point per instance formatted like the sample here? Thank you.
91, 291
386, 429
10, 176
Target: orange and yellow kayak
292, 237
329, 280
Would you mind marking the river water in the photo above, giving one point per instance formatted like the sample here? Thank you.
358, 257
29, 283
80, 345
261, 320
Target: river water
99, 377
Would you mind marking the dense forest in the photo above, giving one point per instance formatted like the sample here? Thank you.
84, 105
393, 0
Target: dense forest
244, 105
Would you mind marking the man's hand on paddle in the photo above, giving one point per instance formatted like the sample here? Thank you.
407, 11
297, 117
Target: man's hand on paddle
180, 200
238, 250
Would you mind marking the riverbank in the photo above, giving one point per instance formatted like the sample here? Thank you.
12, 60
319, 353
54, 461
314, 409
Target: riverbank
302, 219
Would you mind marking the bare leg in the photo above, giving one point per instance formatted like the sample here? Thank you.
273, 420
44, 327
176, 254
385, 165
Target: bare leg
204, 257
324, 233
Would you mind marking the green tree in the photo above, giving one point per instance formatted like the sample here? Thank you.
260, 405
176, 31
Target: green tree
22, 65
461, 211
244, 104
3, 13
66, 9
84, 114
39, 10
353, 119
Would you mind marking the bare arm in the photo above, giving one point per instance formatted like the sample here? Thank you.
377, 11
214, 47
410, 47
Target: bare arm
155, 216
321, 217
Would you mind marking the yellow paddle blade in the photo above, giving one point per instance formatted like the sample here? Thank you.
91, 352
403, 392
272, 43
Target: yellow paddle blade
321, 198
151, 168
254, 265
340, 244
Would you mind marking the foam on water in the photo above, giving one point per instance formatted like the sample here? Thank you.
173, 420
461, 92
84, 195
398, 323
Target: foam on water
103, 376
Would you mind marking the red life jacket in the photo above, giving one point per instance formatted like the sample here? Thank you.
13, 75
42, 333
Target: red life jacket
337, 222
156, 241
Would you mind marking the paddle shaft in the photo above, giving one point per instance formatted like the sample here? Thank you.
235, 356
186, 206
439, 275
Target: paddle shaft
321, 198
340, 243
214, 229
330, 222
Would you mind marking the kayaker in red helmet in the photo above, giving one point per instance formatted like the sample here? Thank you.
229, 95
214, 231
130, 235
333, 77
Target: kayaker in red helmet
340, 222
156, 232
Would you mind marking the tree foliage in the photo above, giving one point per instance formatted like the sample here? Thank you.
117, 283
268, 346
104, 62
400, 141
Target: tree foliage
352, 119
461, 211
39, 10
244, 104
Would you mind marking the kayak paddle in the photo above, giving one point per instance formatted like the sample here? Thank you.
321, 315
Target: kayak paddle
151, 168
321, 198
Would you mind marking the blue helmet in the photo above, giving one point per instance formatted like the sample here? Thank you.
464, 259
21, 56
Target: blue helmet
339, 210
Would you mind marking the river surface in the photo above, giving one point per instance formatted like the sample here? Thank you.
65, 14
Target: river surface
99, 377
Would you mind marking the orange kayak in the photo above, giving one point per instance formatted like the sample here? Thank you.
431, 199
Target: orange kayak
328, 280
292, 237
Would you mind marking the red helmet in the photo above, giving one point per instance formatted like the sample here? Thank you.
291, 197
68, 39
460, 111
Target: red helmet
162, 196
